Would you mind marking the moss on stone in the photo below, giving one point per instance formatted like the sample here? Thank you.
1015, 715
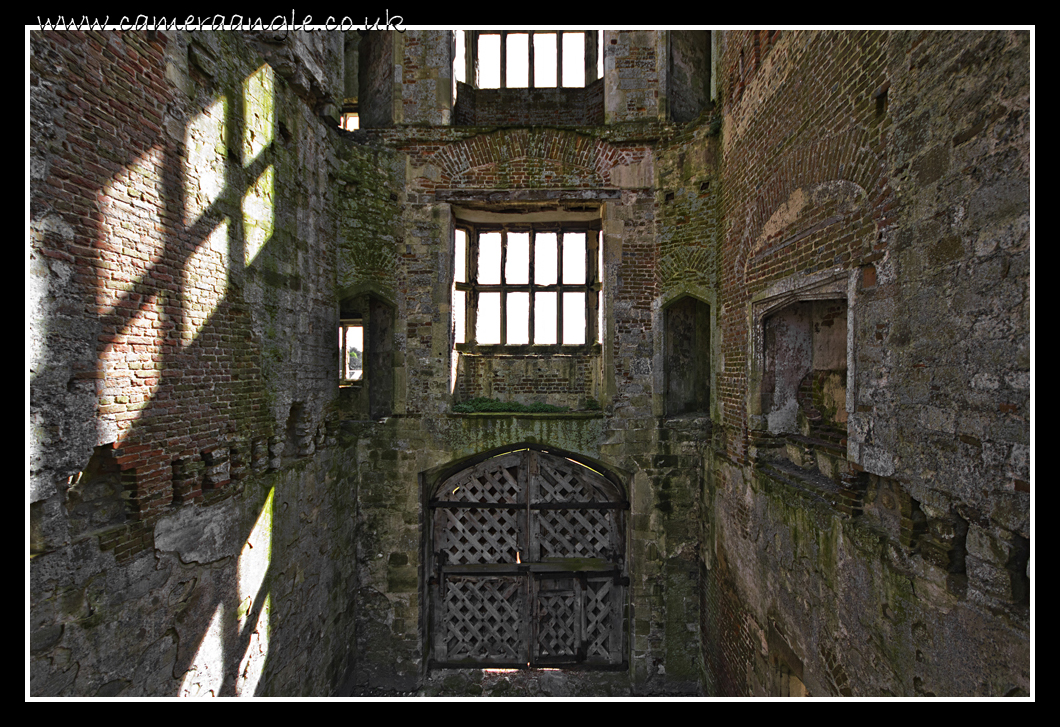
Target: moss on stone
485, 404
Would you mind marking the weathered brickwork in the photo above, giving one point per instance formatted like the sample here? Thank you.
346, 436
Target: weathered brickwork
810, 392
827, 169
518, 107
569, 381
166, 169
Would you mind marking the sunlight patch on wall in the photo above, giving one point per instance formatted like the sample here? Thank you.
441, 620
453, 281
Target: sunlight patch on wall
258, 214
204, 283
204, 166
259, 113
254, 560
252, 666
206, 673
131, 234
130, 248
135, 386
255, 557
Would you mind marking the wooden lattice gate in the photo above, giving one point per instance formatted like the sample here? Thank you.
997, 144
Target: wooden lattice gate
528, 565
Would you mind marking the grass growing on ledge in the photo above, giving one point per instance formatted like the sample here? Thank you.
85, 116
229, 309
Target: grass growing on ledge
484, 404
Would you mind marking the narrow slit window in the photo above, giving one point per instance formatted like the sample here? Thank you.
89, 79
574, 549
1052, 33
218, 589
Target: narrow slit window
351, 349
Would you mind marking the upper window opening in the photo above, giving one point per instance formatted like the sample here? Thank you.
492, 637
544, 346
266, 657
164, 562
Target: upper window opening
528, 59
528, 284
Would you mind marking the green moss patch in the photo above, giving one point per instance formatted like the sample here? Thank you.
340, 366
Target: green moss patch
485, 404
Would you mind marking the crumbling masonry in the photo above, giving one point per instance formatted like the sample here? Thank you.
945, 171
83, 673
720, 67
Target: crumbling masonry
708, 374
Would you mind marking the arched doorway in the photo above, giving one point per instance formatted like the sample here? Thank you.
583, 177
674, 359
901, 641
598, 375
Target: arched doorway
528, 565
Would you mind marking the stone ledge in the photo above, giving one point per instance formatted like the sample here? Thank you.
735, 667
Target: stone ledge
529, 415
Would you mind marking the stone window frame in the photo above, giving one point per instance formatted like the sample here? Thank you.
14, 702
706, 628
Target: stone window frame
593, 42
832, 284
592, 286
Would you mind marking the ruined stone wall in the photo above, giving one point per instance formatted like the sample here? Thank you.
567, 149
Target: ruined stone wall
569, 381
538, 170
184, 487
314, 217
523, 107
905, 184
688, 74
635, 72
211, 512
375, 71
426, 76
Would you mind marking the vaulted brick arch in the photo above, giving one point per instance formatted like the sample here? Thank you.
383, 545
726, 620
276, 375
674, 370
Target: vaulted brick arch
528, 158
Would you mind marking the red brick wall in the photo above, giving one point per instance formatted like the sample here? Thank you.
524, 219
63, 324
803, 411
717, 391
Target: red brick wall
797, 119
176, 367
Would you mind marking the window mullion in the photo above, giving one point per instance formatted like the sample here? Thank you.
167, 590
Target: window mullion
342, 348
559, 59
504, 59
530, 60
559, 287
504, 287
590, 52
366, 328
471, 57
471, 334
475, 59
592, 274
530, 281
588, 277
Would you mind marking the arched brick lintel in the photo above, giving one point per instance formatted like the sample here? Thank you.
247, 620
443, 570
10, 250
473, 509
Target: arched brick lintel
528, 158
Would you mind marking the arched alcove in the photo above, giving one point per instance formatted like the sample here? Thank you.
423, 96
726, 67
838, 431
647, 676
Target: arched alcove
686, 324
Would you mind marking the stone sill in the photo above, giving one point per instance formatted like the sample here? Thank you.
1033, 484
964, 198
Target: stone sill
530, 414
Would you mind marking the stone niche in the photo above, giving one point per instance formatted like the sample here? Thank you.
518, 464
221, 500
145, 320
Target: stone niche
687, 359
805, 366
800, 356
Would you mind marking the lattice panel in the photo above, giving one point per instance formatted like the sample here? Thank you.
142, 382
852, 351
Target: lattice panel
495, 481
484, 619
599, 616
580, 533
557, 619
492, 606
479, 535
558, 481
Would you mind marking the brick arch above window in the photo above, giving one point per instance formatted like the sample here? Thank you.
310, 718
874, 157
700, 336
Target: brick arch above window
530, 158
